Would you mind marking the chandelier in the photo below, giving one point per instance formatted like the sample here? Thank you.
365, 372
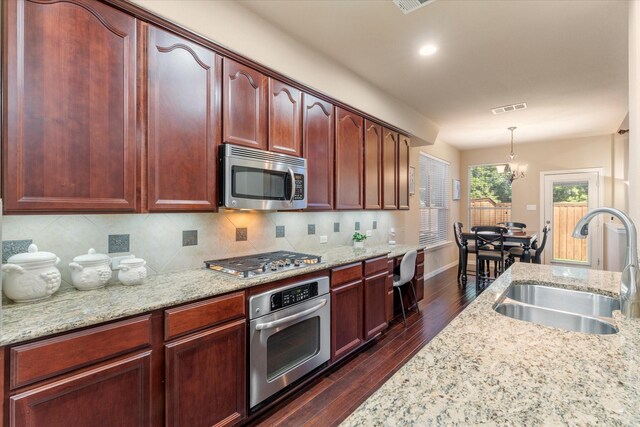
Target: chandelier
512, 170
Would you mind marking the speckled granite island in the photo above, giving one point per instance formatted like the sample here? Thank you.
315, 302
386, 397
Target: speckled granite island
488, 369
70, 309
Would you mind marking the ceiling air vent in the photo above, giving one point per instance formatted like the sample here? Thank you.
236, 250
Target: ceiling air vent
407, 6
508, 108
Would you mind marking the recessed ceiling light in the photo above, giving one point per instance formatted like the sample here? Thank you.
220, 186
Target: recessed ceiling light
427, 50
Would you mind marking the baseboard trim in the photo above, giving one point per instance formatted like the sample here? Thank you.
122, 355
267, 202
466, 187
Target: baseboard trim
440, 270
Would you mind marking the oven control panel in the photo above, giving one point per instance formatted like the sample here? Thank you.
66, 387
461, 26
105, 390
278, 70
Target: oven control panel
293, 295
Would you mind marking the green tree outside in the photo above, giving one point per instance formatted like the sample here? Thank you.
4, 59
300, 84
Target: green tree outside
487, 182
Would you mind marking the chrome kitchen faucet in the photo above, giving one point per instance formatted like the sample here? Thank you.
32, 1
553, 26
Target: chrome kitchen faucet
629, 295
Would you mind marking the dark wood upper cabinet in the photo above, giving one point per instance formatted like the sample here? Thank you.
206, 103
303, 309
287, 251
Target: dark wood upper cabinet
117, 393
205, 377
285, 103
244, 105
372, 165
69, 107
183, 83
349, 160
318, 141
390, 169
404, 147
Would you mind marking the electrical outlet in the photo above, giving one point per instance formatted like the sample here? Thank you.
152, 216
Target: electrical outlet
323, 239
369, 233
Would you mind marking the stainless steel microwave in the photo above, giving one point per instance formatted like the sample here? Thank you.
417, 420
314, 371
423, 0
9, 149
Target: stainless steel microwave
261, 180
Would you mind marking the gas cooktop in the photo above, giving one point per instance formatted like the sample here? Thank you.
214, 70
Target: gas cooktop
270, 262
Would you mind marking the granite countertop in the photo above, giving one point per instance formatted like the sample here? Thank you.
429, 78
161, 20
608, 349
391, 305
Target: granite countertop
70, 309
486, 368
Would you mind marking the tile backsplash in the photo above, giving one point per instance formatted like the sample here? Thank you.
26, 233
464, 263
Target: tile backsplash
159, 238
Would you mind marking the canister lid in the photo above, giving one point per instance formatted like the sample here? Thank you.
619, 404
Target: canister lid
132, 262
32, 256
91, 257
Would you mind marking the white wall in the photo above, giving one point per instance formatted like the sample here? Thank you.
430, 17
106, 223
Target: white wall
634, 110
241, 30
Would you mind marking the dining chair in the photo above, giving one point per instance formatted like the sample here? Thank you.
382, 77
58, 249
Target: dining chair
462, 253
536, 251
511, 225
489, 247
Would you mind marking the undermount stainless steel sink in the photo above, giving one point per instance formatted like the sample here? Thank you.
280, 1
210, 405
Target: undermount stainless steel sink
576, 311
578, 302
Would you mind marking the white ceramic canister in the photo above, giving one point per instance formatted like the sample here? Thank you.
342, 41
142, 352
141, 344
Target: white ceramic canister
132, 271
31, 276
90, 271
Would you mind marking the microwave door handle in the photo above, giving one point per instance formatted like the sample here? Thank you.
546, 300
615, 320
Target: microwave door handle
276, 323
293, 185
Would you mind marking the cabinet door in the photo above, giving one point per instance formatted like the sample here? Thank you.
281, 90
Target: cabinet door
346, 319
69, 107
372, 165
184, 124
318, 139
113, 394
390, 169
404, 146
205, 377
284, 118
244, 106
349, 148
375, 304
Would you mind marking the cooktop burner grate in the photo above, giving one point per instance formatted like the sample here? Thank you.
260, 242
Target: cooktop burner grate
270, 262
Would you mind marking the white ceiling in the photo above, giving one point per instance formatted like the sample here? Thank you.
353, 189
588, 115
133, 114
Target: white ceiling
566, 59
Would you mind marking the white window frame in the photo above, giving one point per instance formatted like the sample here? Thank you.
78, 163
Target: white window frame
424, 227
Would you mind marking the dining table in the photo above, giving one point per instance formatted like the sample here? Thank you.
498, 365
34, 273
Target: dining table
524, 238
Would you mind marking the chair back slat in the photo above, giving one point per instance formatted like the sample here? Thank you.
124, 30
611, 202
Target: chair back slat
489, 237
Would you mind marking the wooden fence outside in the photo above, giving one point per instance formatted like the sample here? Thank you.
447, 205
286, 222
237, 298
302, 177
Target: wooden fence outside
487, 212
565, 218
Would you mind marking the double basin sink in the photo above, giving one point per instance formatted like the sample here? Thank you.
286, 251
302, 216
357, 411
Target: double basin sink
566, 309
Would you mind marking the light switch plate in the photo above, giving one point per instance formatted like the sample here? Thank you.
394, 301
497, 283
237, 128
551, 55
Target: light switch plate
323, 239
369, 233
532, 207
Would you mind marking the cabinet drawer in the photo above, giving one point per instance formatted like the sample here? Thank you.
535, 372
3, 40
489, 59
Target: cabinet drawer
375, 265
346, 273
420, 257
192, 317
44, 359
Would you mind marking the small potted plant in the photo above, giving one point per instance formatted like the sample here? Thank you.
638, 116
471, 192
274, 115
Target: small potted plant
358, 240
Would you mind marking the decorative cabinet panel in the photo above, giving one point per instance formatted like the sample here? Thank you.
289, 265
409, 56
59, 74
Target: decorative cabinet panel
113, 394
244, 106
346, 319
318, 141
389, 169
372, 165
205, 377
404, 147
183, 123
284, 118
349, 159
69, 107
375, 302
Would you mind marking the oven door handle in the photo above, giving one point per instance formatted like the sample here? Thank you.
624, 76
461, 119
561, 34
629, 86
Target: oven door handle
276, 323
293, 185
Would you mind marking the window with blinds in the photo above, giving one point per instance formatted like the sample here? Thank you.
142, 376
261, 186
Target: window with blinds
434, 201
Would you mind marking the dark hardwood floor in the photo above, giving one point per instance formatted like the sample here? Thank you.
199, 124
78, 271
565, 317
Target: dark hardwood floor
337, 393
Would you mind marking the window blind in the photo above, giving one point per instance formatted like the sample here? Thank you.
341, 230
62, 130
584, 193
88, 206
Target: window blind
434, 201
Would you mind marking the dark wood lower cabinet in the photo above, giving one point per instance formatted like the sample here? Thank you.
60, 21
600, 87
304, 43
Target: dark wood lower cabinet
205, 377
375, 297
346, 319
113, 394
